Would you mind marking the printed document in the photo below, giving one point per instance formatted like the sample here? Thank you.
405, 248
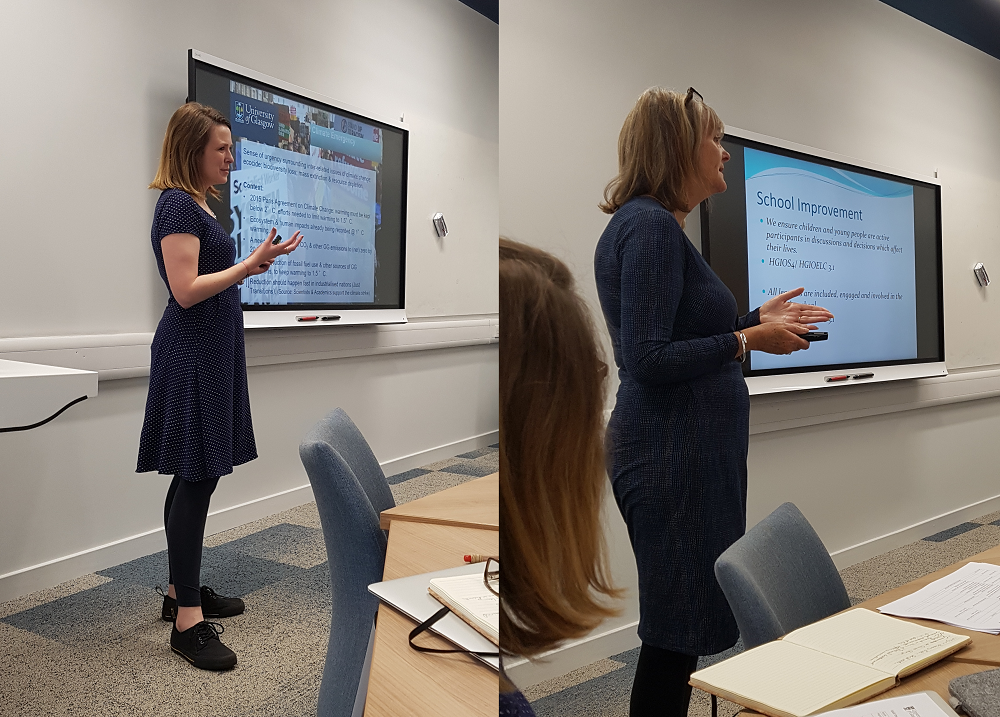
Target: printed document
918, 705
968, 598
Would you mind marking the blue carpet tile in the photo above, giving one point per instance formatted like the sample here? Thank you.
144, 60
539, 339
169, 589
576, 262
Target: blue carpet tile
97, 645
414, 473
479, 452
952, 532
469, 469
601, 695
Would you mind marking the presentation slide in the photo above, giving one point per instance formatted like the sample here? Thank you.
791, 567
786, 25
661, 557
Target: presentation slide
848, 238
299, 168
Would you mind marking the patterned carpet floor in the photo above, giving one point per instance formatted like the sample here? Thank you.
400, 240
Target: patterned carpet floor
96, 645
602, 689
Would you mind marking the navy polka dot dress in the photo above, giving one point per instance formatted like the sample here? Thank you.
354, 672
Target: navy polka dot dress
197, 421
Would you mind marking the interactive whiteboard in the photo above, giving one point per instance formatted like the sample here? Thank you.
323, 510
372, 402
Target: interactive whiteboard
865, 243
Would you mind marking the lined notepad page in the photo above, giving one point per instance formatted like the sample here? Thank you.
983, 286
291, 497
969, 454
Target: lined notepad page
469, 593
790, 678
880, 641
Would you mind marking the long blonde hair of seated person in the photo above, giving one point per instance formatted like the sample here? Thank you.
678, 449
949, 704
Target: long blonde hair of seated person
552, 387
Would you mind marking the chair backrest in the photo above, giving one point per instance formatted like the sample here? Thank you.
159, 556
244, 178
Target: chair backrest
779, 577
339, 432
350, 491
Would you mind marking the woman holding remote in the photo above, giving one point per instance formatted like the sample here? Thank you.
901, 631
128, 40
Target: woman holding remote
197, 424
677, 439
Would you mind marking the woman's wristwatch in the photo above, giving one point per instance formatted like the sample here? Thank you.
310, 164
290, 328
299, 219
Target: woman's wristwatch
743, 339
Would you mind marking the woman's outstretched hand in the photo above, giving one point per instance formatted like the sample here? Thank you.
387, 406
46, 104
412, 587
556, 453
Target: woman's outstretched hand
781, 309
776, 338
261, 258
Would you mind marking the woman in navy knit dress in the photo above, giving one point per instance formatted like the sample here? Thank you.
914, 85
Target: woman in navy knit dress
197, 424
677, 439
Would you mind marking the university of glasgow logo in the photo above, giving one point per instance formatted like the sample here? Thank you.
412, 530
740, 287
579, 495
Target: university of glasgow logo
239, 112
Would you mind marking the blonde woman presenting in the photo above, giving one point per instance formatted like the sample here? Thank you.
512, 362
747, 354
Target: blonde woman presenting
197, 424
678, 436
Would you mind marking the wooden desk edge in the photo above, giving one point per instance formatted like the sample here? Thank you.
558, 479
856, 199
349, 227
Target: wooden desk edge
385, 521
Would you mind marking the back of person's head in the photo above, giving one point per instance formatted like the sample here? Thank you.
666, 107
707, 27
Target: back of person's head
183, 145
657, 148
552, 480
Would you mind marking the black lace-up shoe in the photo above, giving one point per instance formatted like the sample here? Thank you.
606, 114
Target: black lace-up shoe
212, 605
169, 611
215, 605
200, 645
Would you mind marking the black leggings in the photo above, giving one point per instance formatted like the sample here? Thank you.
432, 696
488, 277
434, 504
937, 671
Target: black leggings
184, 515
661, 686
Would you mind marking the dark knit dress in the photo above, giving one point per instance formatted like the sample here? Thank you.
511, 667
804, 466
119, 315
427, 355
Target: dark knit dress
677, 439
197, 422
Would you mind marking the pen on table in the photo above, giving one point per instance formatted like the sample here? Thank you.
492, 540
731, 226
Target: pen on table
476, 558
862, 375
306, 318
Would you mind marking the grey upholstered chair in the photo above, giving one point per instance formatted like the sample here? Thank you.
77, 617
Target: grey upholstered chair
350, 491
779, 577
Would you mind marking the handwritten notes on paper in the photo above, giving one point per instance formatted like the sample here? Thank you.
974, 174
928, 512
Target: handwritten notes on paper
865, 637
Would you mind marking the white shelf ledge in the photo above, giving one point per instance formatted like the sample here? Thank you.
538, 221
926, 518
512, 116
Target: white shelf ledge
30, 392
121, 356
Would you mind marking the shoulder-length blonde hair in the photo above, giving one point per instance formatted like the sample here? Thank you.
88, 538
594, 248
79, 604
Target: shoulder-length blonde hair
657, 148
552, 480
180, 158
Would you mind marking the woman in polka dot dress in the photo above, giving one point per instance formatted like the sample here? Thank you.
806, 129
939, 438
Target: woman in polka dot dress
197, 424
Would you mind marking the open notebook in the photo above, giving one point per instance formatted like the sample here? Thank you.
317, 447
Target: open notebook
833, 663
467, 597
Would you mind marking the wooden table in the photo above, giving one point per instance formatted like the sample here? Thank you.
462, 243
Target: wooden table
475, 504
433, 536
985, 648
982, 654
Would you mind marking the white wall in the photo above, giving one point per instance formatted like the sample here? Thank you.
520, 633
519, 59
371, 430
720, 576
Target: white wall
91, 87
871, 468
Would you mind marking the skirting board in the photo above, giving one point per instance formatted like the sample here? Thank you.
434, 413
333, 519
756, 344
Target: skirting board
422, 458
846, 557
68, 567
573, 655
579, 653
